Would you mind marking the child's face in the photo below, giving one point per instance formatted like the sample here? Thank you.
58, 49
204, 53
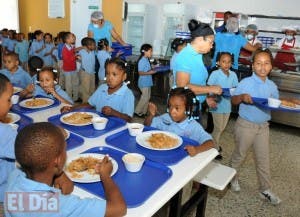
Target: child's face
40, 37
48, 39
46, 79
177, 109
262, 65
225, 62
91, 46
114, 76
10, 63
148, 53
5, 101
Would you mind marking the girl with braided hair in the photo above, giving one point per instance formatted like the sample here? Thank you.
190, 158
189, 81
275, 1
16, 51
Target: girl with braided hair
183, 108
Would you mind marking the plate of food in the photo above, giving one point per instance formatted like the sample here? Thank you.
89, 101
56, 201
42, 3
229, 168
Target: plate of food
36, 103
17, 90
289, 105
78, 118
81, 168
11, 118
159, 140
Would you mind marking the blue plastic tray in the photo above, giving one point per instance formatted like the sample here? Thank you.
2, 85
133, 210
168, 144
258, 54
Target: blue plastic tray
226, 92
19, 109
263, 103
137, 187
24, 121
89, 131
74, 141
162, 68
124, 141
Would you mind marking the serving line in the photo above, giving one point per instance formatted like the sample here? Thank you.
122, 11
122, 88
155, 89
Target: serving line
183, 172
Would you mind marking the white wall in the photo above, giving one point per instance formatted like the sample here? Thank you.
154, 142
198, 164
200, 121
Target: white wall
9, 14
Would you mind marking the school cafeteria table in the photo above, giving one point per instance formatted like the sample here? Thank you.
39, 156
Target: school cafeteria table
182, 172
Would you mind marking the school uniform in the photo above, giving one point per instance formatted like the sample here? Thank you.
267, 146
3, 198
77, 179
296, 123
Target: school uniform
70, 71
187, 128
145, 83
190, 62
68, 205
36, 45
48, 60
10, 46
87, 74
20, 78
122, 100
252, 128
102, 56
21, 49
7, 155
229, 42
222, 112
38, 91
102, 32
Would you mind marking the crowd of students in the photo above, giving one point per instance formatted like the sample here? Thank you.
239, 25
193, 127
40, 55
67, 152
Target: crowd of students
59, 76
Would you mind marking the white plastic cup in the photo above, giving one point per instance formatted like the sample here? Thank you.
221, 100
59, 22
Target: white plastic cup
15, 99
99, 123
135, 128
231, 91
274, 103
133, 162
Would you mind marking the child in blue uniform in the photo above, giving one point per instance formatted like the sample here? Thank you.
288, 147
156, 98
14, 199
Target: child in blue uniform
145, 79
182, 107
8, 135
102, 55
16, 74
252, 127
40, 149
87, 70
113, 98
47, 86
37, 46
225, 78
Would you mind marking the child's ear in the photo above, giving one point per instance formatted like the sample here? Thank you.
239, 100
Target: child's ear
124, 76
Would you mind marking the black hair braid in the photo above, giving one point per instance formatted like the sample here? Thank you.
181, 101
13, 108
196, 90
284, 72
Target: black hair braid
191, 102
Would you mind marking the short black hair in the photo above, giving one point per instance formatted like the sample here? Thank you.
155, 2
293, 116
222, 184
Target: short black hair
3, 82
192, 104
177, 42
102, 43
35, 63
87, 41
37, 145
37, 32
220, 54
12, 54
121, 64
65, 36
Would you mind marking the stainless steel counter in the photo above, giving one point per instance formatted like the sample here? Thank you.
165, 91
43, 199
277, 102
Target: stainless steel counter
289, 87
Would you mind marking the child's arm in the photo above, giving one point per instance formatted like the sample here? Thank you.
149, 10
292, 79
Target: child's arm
152, 109
150, 72
57, 96
71, 108
109, 111
27, 92
246, 98
194, 150
115, 205
63, 183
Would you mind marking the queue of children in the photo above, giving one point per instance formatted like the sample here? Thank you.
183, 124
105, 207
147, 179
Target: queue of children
114, 98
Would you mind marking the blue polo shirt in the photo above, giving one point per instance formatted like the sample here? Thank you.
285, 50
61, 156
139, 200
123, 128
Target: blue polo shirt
11, 44
255, 87
103, 32
48, 60
218, 77
144, 66
102, 56
189, 61
187, 128
69, 205
21, 48
229, 42
7, 155
36, 45
87, 61
122, 100
20, 78
38, 91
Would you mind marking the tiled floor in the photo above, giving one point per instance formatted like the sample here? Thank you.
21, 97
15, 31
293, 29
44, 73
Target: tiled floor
285, 171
